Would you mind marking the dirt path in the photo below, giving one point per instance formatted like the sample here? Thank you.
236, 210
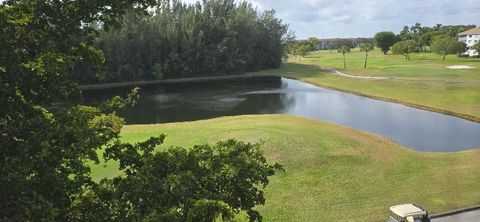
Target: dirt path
338, 73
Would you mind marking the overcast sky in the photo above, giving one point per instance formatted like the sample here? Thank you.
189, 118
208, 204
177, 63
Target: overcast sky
364, 18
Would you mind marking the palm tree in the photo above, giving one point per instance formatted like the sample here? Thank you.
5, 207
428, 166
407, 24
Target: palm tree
365, 47
343, 49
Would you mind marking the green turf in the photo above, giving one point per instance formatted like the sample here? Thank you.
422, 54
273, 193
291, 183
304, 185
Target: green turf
423, 81
333, 173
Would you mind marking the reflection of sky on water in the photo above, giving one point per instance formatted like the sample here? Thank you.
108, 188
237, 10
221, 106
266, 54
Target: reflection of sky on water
415, 128
412, 127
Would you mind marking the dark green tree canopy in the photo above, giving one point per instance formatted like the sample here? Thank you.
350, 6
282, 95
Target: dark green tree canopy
47, 151
179, 40
203, 183
384, 40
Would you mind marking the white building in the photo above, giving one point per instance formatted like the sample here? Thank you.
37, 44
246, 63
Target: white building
470, 37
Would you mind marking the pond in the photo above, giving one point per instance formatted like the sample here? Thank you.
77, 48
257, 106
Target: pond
414, 128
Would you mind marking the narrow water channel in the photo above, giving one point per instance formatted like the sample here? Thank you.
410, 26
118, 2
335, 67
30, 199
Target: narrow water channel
415, 128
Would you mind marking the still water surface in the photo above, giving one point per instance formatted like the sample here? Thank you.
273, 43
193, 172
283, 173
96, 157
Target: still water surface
411, 127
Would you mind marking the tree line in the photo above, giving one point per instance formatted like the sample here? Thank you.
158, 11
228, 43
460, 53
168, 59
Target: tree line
176, 40
303, 47
438, 39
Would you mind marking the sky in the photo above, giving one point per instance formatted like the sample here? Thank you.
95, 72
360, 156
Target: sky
364, 18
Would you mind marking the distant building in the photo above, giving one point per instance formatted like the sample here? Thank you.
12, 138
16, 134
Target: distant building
470, 37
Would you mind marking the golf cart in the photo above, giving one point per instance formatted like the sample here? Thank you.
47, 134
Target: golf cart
408, 213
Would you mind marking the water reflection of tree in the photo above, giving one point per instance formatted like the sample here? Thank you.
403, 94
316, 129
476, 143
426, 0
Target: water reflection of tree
208, 101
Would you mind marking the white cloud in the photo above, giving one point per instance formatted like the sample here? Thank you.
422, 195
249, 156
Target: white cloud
364, 18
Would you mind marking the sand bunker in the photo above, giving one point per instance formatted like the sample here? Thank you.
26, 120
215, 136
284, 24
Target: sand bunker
460, 67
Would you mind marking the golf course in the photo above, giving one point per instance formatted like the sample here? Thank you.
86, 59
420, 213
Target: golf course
332, 173
424, 81
336, 173
239, 110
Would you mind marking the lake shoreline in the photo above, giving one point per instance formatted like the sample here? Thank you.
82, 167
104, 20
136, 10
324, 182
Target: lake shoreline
414, 105
252, 76
248, 76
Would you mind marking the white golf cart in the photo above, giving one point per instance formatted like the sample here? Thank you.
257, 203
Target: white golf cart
408, 213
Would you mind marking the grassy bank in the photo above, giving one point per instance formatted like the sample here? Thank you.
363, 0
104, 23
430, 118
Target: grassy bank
424, 81
333, 173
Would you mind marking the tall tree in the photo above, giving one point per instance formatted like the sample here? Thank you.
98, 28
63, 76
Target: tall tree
46, 153
344, 49
384, 40
446, 45
366, 47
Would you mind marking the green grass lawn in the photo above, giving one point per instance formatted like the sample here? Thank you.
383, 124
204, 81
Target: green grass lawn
333, 173
424, 81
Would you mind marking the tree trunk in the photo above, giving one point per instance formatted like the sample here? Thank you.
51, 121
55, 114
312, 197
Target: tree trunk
444, 56
366, 57
344, 65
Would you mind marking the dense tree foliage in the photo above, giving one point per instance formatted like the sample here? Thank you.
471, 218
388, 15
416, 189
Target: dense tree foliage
46, 152
423, 36
417, 38
404, 47
178, 40
419, 35
198, 184
384, 40
446, 45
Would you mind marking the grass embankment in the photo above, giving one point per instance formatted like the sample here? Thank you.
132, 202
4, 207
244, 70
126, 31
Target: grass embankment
333, 173
424, 82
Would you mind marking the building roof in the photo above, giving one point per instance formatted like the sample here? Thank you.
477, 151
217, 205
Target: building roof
405, 210
474, 31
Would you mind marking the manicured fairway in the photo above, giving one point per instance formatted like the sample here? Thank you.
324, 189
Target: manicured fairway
424, 81
333, 173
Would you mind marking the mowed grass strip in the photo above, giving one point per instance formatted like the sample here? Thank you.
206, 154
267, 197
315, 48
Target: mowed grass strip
423, 81
333, 173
